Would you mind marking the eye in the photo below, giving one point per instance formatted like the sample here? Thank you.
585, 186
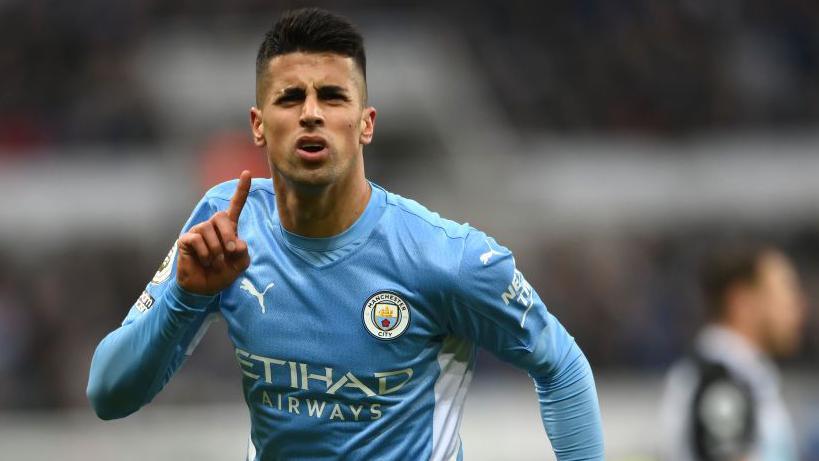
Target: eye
333, 96
289, 98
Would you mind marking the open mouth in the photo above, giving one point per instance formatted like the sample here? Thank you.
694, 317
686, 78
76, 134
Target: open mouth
312, 146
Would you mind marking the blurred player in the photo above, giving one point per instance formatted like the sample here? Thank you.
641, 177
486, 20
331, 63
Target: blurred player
355, 313
723, 401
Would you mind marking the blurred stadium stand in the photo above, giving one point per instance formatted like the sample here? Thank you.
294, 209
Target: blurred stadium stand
605, 142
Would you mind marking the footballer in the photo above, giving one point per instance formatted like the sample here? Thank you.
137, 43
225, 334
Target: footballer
355, 314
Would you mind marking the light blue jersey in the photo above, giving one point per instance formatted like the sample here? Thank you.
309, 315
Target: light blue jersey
358, 346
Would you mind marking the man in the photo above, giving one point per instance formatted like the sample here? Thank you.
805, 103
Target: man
355, 313
723, 402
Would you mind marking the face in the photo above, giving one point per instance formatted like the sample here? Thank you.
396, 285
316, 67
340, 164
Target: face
780, 304
312, 119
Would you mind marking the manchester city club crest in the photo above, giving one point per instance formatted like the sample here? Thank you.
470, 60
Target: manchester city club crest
386, 315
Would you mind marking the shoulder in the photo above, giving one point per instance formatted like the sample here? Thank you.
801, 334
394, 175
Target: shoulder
416, 223
723, 410
223, 192
419, 218
468, 254
433, 244
260, 200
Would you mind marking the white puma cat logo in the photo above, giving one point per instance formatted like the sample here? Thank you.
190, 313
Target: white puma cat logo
488, 255
248, 287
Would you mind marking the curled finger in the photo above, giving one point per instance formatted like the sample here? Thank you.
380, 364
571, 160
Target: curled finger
208, 233
193, 244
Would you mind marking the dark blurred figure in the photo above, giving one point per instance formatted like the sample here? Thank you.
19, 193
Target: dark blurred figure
723, 402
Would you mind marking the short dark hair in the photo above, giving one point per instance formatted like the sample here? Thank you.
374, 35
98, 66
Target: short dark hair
312, 30
728, 265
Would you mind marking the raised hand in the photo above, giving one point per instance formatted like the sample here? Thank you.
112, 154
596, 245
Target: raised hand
211, 255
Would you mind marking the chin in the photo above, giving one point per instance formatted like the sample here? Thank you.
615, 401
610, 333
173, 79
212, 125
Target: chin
317, 179
785, 348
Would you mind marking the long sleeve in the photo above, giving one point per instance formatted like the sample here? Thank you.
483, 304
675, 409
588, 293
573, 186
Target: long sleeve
132, 363
498, 309
135, 361
570, 411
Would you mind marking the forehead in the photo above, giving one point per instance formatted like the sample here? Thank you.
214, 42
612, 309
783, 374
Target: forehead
302, 69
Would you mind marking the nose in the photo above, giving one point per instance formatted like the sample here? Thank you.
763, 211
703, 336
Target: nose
311, 115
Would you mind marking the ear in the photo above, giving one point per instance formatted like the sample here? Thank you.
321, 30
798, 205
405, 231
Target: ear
367, 125
257, 127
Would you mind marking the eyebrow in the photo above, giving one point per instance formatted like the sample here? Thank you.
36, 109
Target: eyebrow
290, 94
324, 91
331, 90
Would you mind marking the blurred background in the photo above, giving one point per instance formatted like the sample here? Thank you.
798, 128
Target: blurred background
606, 143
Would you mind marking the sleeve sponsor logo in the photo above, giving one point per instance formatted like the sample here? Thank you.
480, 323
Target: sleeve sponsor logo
145, 302
521, 292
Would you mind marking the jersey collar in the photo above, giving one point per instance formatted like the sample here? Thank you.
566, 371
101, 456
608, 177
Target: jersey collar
361, 228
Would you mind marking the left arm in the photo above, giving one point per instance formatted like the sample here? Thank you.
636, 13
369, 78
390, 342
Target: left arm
496, 307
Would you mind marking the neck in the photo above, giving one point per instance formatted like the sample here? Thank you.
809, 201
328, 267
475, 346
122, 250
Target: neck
746, 330
320, 211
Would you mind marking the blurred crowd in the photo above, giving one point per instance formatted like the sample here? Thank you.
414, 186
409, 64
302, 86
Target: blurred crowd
635, 302
664, 68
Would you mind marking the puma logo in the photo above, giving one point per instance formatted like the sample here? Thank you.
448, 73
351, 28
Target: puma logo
248, 287
488, 255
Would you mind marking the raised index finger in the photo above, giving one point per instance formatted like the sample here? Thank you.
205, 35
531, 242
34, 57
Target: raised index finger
239, 197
